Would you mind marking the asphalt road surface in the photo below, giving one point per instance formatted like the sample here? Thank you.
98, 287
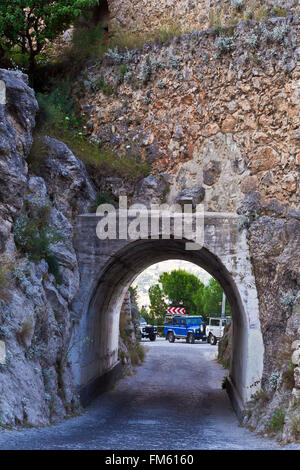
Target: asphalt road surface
174, 401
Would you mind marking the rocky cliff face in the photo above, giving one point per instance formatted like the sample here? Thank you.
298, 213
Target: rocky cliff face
35, 321
38, 282
16, 124
35, 381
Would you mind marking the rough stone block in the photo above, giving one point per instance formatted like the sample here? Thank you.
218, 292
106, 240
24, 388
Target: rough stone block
296, 357
296, 394
296, 345
297, 376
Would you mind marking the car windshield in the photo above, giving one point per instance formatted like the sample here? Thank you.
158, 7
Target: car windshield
194, 321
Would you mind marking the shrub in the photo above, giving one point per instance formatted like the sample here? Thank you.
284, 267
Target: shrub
115, 56
216, 18
237, 4
253, 41
57, 109
288, 375
26, 330
295, 422
168, 32
102, 162
288, 299
273, 381
123, 71
105, 87
261, 396
278, 11
224, 382
145, 73
276, 422
104, 198
87, 43
6, 268
34, 236
126, 41
225, 363
276, 35
175, 61
261, 13
54, 268
137, 353
225, 44
279, 33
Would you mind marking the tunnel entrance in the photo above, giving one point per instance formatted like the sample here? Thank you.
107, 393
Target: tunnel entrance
178, 293
109, 267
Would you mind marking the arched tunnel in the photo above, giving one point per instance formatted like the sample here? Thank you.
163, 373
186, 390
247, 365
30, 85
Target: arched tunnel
109, 267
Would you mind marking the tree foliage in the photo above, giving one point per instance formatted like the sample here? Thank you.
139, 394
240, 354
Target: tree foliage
184, 289
212, 299
158, 305
181, 287
29, 24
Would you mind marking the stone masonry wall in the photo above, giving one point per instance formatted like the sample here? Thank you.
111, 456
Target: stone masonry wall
144, 16
150, 16
203, 116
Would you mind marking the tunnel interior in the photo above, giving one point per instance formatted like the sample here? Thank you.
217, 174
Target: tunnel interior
102, 322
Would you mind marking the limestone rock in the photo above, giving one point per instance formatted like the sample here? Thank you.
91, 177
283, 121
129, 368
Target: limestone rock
192, 196
211, 172
297, 376
150, 190
17, 119
296, 357
66, 178
296, 345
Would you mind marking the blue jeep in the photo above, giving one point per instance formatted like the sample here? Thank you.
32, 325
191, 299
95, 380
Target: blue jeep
185, 326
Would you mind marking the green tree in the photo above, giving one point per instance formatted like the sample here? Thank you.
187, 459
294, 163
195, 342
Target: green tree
143, 313
183, 289
158, 305
212, 299
29, 24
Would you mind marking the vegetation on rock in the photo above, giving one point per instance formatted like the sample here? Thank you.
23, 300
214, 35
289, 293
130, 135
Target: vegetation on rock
26, 26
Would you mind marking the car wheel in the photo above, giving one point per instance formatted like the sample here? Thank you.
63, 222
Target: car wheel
190, 338
171, 337
213, 340
152, 338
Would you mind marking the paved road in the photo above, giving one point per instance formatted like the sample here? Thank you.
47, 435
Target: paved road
174, 401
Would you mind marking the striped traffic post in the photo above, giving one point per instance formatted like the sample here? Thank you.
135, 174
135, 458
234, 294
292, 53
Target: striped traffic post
177, 310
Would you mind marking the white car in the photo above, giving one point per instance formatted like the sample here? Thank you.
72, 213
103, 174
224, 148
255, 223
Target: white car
147, 331
215, 329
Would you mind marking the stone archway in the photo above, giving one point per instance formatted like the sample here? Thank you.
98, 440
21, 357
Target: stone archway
109, 267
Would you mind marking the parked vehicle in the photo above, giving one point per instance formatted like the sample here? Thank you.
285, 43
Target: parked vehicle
215, 329
147, 331
189, 327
